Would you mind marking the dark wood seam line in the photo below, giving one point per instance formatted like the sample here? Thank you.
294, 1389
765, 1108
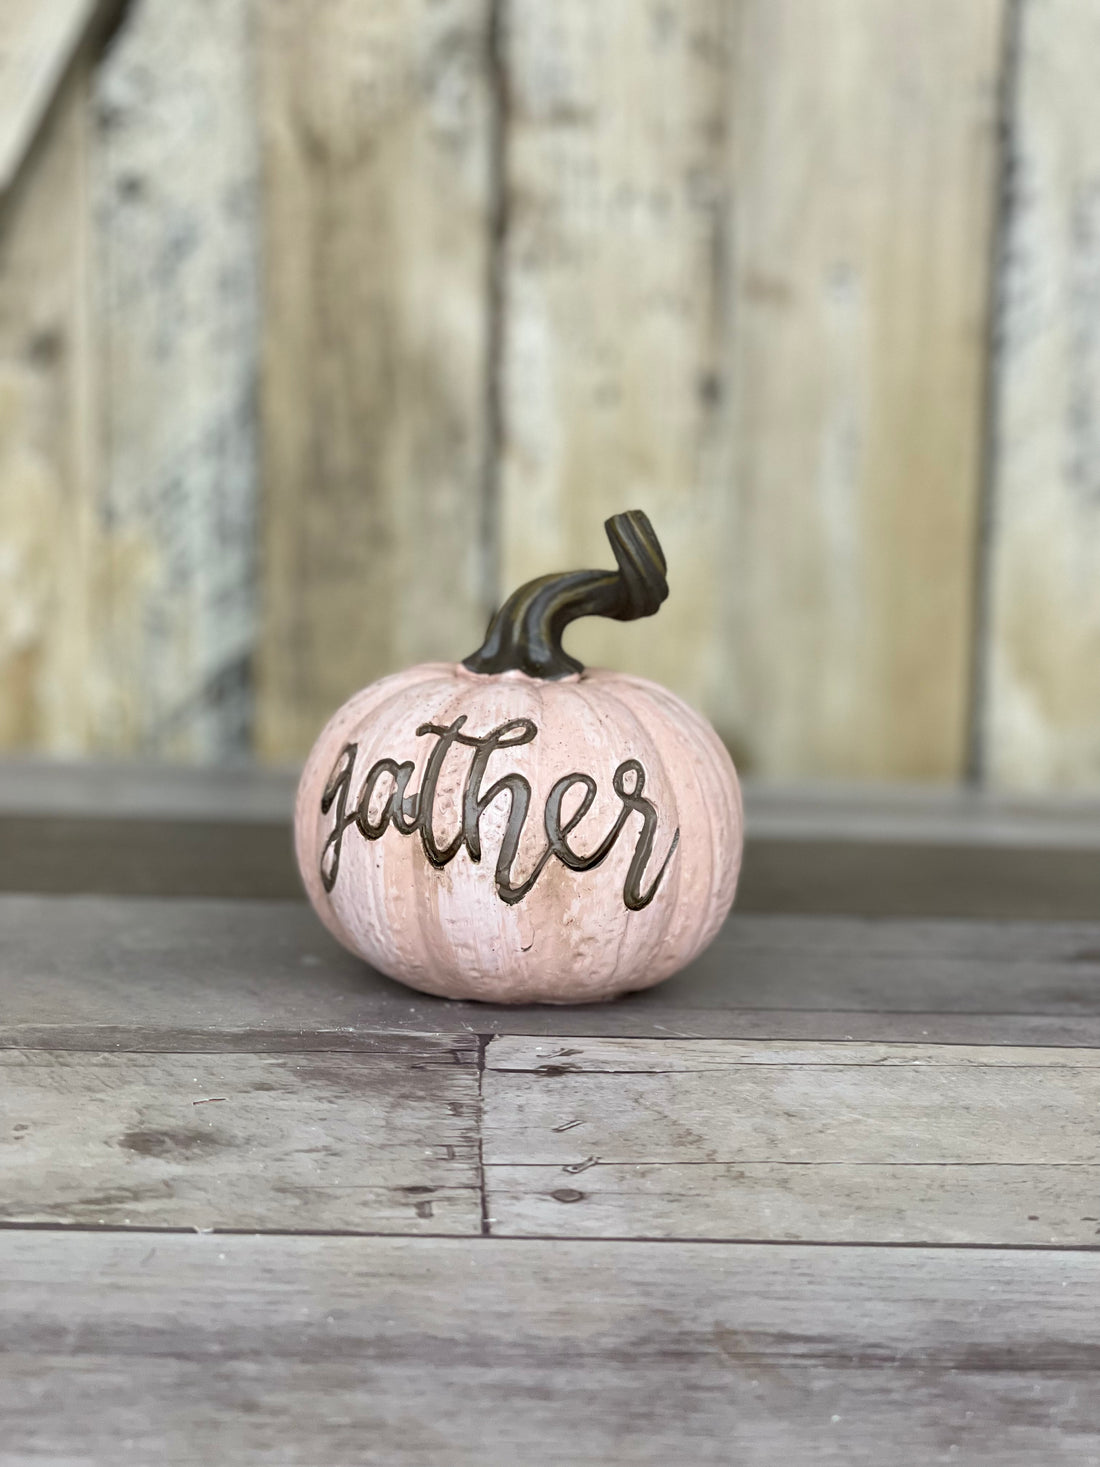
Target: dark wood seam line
605, 1161
483, 1042
497, 224
565, 1238
52, 1047
749, 1065
981, 609
438, 1053
671, 1036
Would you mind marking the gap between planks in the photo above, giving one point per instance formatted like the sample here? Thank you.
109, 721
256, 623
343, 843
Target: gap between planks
78, 1230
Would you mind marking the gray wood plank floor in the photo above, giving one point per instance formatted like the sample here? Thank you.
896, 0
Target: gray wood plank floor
814, 1142
554, 1137
321, 1140
402, 1351
830, 1196
121, 962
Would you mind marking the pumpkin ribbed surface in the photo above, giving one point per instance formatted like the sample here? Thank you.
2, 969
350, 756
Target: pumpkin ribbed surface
404, 865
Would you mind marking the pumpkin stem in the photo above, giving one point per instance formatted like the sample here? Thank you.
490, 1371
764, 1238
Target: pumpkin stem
525, 634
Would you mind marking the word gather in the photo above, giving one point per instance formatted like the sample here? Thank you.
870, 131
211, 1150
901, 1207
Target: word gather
414, 813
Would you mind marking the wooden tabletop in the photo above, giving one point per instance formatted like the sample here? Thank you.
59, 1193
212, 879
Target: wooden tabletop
830, 1196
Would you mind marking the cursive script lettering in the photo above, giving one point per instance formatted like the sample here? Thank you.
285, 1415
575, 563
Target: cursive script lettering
412, 814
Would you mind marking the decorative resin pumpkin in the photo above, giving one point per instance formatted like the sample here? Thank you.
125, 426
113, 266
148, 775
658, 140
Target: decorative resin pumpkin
519, 828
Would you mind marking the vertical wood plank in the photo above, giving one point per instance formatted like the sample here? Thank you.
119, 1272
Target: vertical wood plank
1042, 716
46, 436
865, 182
377, 148
177, 244
747, 284
613, 305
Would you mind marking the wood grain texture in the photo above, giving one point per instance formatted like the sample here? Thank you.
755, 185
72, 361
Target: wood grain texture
1042, 715
866, 1109
140, 963
383, 1140
815, 1142
176, 164
831, 1202
47, 438
747, 273
864, 182
376, 123
551, 1056
398, 1352
613, 321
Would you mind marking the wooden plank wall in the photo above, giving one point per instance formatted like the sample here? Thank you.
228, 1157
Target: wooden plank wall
746, 285
175, 172
1041, 701
377, 147
817, 285
860, 285
128, 311
614, 279
47, 439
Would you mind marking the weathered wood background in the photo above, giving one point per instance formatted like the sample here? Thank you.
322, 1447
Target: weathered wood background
322, 324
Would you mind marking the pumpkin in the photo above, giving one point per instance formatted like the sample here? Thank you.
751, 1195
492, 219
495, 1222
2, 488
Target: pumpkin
517, 827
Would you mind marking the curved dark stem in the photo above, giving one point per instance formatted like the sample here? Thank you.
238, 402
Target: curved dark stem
525, 634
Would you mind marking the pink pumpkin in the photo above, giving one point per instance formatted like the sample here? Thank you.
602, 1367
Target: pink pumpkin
518, 828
